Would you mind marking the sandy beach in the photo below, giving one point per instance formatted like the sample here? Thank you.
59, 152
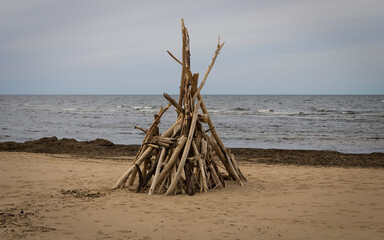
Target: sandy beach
58, 196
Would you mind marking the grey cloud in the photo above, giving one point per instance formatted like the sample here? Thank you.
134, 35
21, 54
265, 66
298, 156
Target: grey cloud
119, 40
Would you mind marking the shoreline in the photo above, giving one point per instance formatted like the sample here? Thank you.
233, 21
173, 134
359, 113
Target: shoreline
101, 148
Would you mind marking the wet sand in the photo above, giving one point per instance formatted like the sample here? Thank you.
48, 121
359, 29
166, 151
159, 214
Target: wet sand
46, 196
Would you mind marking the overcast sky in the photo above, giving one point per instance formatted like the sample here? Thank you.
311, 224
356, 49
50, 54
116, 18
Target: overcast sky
119, 47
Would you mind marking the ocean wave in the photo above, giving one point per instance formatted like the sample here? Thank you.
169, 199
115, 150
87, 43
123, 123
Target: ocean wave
69, 109
326, 110
214, 111
289, 113
348, 112
232, 111
343, 112
273, 112
314, 109
140, 107
239, 109
245, 112
31, 106
265, 110
145, 109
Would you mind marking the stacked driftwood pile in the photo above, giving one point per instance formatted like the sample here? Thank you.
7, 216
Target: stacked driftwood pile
189, 157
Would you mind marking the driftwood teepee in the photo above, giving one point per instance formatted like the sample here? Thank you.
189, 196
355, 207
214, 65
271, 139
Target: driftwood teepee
185, 158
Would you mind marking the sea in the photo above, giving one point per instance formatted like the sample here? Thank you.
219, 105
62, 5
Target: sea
348, 124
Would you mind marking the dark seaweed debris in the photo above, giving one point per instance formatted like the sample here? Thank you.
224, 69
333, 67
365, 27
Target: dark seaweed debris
82, 193
101, 148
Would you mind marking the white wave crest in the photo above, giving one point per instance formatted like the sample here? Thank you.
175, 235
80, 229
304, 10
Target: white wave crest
272, 112
265, 111
69, 109
147, 109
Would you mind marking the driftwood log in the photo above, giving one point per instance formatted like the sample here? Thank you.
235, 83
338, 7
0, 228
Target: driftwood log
185, 158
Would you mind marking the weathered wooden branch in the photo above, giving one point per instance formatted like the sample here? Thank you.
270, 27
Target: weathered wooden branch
177, 60
125, 176
141, 129
184, 64
201, 160
154, 182
219, 46
184, 159
174, 103
186, 151
189, 178
173, 158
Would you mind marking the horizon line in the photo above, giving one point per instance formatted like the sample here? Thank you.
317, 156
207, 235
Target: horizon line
177, 94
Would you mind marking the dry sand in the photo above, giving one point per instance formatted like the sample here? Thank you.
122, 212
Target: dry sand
64, 197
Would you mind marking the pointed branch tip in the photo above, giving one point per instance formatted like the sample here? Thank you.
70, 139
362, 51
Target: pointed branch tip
177, 60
